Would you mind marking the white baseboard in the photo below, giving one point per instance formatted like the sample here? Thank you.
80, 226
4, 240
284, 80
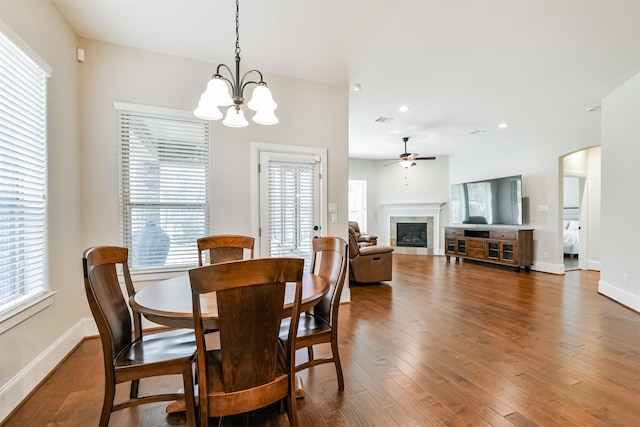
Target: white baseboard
593, 265
619, 295
19, 387
547, 267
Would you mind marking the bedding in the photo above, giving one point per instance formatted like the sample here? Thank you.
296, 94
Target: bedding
570, 241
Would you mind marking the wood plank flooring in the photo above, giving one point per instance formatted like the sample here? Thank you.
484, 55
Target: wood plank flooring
443, 344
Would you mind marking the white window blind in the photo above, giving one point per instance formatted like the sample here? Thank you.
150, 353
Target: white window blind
164, 188
291, 208
23, 176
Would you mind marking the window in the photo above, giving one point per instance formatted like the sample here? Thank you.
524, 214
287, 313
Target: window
23, 175
164, 186
358, 202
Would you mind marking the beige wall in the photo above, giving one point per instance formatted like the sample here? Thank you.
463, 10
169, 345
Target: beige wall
620, 278
83, 192
52, 331
115, 73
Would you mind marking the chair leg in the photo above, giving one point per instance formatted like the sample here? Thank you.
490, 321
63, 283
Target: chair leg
292, 409
189, 396
336, 361
107, 403
203, 411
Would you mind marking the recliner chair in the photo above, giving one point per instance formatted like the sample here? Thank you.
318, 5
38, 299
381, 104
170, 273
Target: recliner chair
363, 239
369, 264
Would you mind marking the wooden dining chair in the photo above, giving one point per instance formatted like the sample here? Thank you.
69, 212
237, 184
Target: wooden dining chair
252, 368
184, 335
321, 326
126, 358
225, 247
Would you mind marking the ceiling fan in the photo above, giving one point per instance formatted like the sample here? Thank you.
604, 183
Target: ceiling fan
406, 159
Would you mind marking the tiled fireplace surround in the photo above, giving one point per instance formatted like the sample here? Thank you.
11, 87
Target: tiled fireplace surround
392, 213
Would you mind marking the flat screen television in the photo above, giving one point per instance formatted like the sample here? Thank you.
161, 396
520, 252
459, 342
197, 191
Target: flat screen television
496, 201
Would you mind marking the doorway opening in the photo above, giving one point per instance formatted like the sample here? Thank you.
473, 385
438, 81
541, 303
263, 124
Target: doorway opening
580, 220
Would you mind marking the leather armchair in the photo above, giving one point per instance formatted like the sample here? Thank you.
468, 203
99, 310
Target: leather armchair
369, 264
363, 239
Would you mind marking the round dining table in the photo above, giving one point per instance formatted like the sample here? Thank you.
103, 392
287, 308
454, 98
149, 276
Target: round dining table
168, 302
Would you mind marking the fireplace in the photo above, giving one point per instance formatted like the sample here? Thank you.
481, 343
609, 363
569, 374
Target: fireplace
411, 234
411, 213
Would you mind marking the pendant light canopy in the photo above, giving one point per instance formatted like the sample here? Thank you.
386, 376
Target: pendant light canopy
217, 94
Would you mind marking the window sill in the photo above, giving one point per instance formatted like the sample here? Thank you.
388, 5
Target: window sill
22, 312
142, 276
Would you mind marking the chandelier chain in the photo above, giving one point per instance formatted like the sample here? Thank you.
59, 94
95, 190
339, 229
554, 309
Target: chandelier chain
237, 28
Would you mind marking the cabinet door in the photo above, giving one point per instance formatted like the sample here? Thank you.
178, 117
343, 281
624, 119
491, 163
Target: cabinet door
509, 253
451, 245
493, 250
461, 246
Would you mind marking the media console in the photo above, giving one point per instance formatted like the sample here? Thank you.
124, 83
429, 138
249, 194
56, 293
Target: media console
498, 246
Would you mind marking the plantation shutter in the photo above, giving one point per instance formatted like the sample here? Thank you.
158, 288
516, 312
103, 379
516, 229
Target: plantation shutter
164, 187
23, 175
292, 199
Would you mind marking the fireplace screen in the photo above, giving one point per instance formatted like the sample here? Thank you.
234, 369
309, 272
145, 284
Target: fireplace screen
411, 234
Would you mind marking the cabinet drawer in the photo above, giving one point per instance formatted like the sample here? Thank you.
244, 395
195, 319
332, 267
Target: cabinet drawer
476, 244
503, 235
475, 253
453, 231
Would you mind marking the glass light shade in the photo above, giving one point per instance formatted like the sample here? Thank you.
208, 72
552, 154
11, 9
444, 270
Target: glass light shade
207, 110
406, 163
235, 118
265, 117
261, 99
218, 92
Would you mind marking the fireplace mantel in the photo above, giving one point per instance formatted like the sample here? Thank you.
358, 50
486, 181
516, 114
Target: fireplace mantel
430, 209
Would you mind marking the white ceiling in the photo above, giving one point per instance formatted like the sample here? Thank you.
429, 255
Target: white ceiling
459, 65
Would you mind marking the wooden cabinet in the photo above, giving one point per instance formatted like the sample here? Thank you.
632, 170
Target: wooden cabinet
505, 247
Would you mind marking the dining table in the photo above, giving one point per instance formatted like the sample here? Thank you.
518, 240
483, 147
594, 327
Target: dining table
168, 302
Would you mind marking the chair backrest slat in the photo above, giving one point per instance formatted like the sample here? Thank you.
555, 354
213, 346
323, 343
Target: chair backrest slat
225, 247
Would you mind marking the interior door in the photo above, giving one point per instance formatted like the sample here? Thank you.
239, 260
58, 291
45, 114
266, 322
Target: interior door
290, 204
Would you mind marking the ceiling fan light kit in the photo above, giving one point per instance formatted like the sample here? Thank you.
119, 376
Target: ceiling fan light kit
406, 159
217, 94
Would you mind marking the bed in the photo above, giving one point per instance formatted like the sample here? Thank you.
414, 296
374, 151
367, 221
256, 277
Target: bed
570, 240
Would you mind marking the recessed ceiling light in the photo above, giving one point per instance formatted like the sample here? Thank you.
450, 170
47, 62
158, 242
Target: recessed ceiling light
403, 108
357, 87
503, 125
591, 109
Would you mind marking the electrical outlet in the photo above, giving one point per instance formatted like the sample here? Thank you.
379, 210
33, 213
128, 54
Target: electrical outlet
545, 255
625, 278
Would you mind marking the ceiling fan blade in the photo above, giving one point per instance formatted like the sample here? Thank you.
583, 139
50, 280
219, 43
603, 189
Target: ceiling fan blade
425, 158
392, 163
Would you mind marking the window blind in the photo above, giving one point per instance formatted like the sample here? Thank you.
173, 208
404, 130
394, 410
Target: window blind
164, 188
292, 187
23, 174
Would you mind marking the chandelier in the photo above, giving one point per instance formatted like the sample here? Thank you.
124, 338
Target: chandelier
217, 94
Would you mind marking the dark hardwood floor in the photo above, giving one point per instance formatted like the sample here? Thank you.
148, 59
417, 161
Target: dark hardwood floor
442, 344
